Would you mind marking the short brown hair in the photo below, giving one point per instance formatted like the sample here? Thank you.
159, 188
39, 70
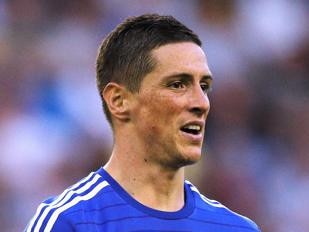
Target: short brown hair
124, 55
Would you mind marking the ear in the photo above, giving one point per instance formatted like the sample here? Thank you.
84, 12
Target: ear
116, 98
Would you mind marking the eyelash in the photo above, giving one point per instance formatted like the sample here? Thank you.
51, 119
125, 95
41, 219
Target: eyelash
207, 87
180, 84
177, 84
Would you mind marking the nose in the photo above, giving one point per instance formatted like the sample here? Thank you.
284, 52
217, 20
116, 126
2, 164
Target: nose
199, 102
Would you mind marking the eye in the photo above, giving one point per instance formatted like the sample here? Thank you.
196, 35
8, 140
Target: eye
177, 85
205, 87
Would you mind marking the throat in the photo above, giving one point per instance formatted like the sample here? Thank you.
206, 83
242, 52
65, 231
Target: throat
163, 201
161, 191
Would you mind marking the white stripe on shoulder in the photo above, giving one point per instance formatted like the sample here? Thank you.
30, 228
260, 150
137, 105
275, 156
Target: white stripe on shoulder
208, 201
192, 187
63, 201
77, 199
57, 200
212, 202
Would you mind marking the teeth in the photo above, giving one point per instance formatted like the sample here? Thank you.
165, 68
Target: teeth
193, 127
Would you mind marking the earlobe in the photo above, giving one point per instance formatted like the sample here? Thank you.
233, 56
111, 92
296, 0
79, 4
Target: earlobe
116, 98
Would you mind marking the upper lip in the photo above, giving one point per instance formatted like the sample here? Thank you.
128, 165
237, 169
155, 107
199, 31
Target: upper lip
198, 123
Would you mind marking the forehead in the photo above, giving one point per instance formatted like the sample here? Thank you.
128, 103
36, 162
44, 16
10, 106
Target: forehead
185, 57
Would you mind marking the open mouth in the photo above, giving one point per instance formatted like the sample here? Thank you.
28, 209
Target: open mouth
192, 129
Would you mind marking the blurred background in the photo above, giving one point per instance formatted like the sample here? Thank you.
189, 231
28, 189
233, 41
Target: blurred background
53, 131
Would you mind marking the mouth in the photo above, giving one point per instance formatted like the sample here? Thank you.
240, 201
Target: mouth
192, 128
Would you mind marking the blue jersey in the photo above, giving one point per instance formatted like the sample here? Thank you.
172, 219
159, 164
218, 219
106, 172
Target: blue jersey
98, 203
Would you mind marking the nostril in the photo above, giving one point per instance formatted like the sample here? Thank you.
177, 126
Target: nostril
198, 111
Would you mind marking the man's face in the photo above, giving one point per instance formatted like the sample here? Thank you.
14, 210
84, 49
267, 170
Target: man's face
171, 106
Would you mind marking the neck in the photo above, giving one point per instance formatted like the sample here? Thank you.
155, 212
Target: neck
149, 183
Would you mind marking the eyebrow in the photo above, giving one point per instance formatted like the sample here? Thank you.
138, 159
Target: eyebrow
189, 76
207, 77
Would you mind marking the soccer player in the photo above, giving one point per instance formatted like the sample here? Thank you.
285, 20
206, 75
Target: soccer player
153, 77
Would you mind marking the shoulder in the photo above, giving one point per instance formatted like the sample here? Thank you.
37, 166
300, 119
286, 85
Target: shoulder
220, 214
62, 210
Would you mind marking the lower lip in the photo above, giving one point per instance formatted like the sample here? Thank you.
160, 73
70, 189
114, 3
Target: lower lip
194, 138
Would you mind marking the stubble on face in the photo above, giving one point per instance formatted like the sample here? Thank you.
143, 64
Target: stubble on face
161, 110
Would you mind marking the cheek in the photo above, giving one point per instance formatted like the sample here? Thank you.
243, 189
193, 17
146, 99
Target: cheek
165, 111
158, 111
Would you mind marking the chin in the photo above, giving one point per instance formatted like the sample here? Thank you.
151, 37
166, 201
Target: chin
191, 157
195, 158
